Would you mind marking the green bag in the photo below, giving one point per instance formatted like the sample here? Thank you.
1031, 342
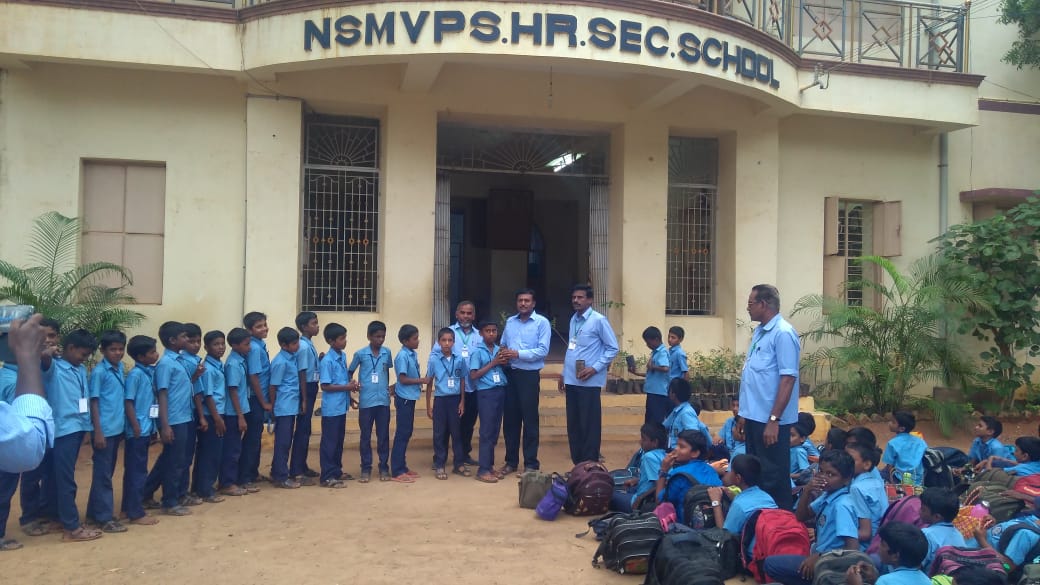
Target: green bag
533, 487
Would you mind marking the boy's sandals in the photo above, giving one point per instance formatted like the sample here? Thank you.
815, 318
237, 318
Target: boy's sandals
384, 476
145, 521
41, 528
305, 481
505, 470
403, 478
214, 499
346, 476
234, 490
334, 484
366, 477
488, 478
463, 471
176, 511
150, 504
190, 500
441, 474
8, 545
287, 484
81, 534
412, 474
112, 527
251, 488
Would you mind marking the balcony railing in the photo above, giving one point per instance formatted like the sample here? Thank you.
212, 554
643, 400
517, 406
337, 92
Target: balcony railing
896, 33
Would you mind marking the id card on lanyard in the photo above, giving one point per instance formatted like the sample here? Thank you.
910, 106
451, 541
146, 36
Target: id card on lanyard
153, 410
84, 402
452, 375
375, 363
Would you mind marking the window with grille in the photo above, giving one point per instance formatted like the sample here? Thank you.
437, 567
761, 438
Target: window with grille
854, 229
340, 214
692, 209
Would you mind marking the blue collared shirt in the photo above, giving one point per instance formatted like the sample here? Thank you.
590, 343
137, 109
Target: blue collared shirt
1021, 542
677, 364
981, 450
746, 503
869, 499
66, 385
26, 431
334, 372
529, 338
649, 471
494, 377
939, 535
774, 352
108, 386
448, 373
307, 358
258, 363
799, 458
171, 375
810, 449
214, 385
657, 382
466, 344
140, 389
739, 448
835, 520
407, 364
594, 342
285, 377
684, 418
190, 363
374, 375
1024, 469
235, 379
904, 453
904, 576
726, 434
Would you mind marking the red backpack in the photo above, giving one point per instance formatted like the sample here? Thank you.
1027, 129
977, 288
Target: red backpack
775, 532
590, 486
906, 510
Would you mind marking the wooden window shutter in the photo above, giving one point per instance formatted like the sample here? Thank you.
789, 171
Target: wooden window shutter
888, 227
830, 226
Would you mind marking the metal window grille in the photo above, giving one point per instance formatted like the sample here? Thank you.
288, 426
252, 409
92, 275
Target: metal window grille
692, 210
340, 214
853, 217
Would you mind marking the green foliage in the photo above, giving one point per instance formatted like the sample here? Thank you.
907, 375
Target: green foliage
62, 289
1025, 14
949, 415
881, 354
1001, 255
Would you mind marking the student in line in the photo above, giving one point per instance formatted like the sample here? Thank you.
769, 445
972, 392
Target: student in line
335, 401
236, 409
196, 367
285, 396
445, 406
212, 428
486, 374
678, 367
108, 416
406, 392
258, 370
141, 408
307, 358
373, 365
658, 405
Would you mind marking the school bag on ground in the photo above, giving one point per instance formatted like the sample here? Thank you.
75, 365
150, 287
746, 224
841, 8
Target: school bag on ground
990, 493
590, 487
775, 532
1032, 555
834, 564
906, 510
936, 472
950, 558
627, 542
697, 509
551, 504
684, 557
647, 501
1030, 574
728, 546
533, 487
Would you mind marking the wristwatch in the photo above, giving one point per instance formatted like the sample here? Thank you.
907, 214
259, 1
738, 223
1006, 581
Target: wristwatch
773, 418
715, 504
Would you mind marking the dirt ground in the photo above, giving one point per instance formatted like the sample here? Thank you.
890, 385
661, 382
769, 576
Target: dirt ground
458, 531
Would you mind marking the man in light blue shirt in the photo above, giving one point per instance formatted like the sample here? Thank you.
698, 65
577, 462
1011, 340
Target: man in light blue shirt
768, 398
525, 342
591, 347
467, 341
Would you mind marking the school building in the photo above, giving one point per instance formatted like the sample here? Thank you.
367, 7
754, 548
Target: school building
386, 159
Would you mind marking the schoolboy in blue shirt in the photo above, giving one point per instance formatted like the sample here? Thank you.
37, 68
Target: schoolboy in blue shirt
867, 491
834, 516
939, 507
307, 324
486, 374
685, 462
658, 405
174, 389
285, 396
902, 548
744, 473
1019, 545
739, 438
195, 367
677, 364
258, 371
467, 341
808, 423
141, 409
212, 429
725, 436
335, 400
1027, 455
107, 414
683, 416
373, 365
904, 451
407, 390
799, 456
445, 405
652, 440
985, 444
236, 408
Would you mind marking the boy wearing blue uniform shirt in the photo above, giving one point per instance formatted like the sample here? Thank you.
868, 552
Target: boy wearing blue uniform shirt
904, 451
902, 548
407, 390
725, 436
939, 507
258, 372
985, 444
799, 456
444, 404
195, 368
834, 516
285, 396
744, 473
141, 409
467, 341
486, 374
1015, 550
683, 416
808, 424
107, 416
652, 440
677, 363
335, 400
658, 405
685, 462
1027, 457
867, 491
212, 429
236, 407
373, 365
307, 358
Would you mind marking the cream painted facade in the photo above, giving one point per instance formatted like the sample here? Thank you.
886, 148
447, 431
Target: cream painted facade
220, 97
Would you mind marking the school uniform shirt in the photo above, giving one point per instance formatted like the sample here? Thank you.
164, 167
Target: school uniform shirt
235, 370
214, 385
466, 344
258, 363
649, 470
1024, 469
981, 450
140, 389
307, 360
494, 376
939, 535
739, 448
904, 453
407, 364
835, 520
1021, 543
810, 449
529, 338
657, 382
726, 434
746, 503
67, 393
8, 381
285, 377
774, 352
675, 490
869, 499
171, 375
592, 340
191, 364
374, 375
108, 385
799, 458
334, 372
683, 418
677, 365
904, 576
448, 374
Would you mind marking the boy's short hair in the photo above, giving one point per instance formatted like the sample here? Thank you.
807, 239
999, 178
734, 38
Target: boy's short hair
866, 452
860, 435
81, 338
907, 540
112, 336
237, 336
487, 322
841, 461
836, 438
375, 327
52, 323
681, 388
446, 331
697, 440
140, 345
808, 422
941, 501
801, 429
992, 424
170, 330
333, 331
304, 318
747, 467
905, 420
193, 330
651, 333
406, 332
656, 432
252, 318
287, 335
678, 332
212, 336
1028, 445
972, 575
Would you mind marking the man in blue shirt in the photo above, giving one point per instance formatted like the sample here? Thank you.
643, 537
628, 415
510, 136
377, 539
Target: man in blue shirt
591, 347
525, 343
768, 399
467, 341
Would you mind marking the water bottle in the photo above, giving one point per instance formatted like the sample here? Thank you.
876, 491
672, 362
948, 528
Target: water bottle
908, 478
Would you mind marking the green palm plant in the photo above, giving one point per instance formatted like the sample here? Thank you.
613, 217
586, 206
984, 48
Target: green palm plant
880, 354
60, 288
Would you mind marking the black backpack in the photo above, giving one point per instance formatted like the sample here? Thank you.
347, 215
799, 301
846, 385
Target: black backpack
697, 509
684, 557
936, 472
1031, 556
728, 546
627, 543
